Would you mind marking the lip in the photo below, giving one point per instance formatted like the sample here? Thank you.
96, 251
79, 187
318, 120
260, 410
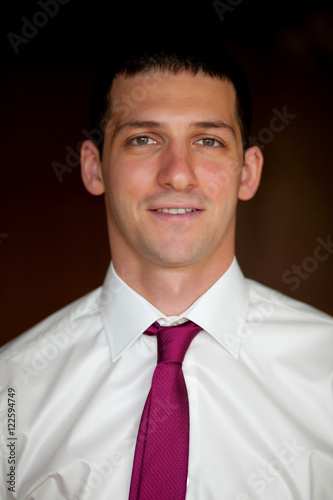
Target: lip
172, 209
187, 216
175, 205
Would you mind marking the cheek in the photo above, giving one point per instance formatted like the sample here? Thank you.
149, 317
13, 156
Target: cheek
125, 186
118, 177
223, 179
130, 172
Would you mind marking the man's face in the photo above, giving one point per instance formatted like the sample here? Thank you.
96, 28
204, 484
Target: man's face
171, 169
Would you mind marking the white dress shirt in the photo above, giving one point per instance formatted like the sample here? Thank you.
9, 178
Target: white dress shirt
259, 380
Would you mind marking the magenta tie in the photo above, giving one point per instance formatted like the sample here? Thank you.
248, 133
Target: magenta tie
161, 454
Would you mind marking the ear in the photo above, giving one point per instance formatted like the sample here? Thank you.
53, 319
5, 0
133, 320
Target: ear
91, 168
251, 173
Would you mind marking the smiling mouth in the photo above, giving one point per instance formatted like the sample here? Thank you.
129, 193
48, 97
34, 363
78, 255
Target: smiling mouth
176, 211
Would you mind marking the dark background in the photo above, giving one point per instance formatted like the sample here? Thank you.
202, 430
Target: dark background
53, 240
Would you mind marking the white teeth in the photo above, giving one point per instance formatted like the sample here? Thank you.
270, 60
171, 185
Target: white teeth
176, 210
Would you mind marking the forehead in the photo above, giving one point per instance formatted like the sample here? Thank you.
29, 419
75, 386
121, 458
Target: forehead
183, 94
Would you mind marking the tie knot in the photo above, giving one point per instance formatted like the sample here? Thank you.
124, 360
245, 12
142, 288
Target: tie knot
173, 341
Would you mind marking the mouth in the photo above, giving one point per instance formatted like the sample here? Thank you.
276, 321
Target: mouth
176, 214
176, 211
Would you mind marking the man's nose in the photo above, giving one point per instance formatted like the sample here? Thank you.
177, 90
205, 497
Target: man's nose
177, 169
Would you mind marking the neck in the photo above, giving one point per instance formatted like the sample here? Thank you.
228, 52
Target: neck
171, 290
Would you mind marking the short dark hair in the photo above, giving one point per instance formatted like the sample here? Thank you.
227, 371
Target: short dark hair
208, 58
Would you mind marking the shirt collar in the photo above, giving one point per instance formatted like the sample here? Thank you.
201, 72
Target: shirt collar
220, 311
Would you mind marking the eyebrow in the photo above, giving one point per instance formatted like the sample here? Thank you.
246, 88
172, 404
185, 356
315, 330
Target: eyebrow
214, 124
218, 124
137, 124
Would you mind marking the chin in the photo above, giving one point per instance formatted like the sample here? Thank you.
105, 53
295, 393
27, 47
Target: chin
174, 259
173, 252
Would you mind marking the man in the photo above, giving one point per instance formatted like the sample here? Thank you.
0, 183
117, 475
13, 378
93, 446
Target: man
174, 161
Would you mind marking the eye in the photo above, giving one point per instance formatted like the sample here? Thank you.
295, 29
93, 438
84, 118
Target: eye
142, 140
209, 142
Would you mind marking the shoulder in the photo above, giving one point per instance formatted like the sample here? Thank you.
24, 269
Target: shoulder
285, 335
59, 325
260, 295
281, 315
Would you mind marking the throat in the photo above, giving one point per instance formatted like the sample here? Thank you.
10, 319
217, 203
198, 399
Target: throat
176, 291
